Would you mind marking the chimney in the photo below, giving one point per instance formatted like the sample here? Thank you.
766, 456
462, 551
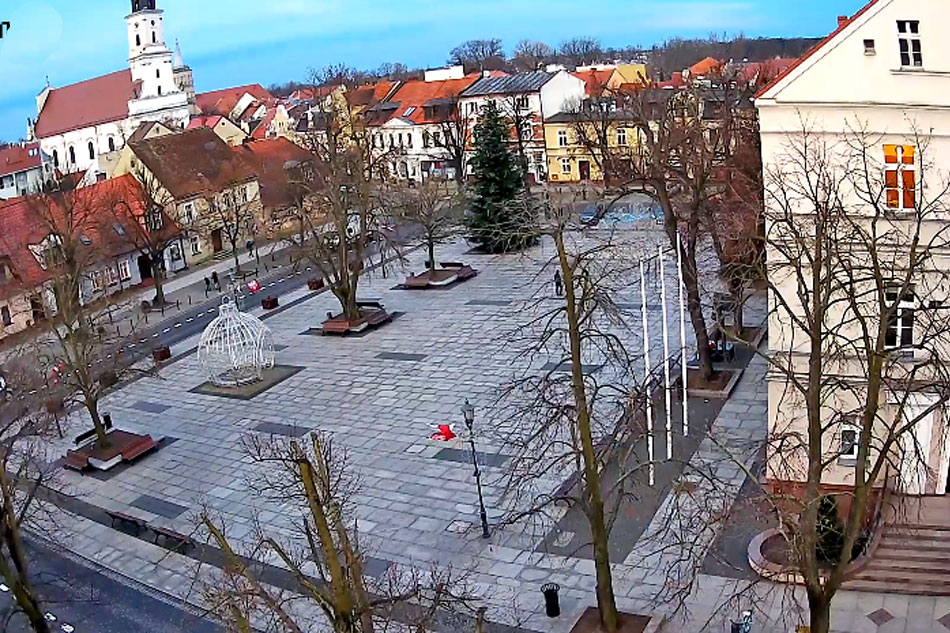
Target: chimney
486, 73
842, 21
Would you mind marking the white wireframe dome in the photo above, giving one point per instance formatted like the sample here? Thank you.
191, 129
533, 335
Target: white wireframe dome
235, 348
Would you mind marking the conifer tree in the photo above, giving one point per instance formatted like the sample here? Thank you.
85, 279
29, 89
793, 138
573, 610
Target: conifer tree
502, 215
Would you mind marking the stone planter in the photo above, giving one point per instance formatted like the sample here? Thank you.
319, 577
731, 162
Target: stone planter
162, 353
315, 284
269, 303
372, 314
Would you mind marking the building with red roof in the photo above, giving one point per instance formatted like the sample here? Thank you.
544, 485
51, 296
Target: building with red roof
23, 169
100, 221
232, 102
705, 68
225, 128
271, 158
597, 81
75, 124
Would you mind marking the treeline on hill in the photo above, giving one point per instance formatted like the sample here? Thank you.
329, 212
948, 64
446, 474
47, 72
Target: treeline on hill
663, 59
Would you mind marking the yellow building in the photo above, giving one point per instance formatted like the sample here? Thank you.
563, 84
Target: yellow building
582, 146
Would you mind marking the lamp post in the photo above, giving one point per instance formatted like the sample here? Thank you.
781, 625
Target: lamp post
469, 412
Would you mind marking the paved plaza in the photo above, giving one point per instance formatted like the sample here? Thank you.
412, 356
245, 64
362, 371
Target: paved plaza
380, 397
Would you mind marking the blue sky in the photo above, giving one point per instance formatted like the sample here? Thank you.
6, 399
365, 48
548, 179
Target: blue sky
233, 42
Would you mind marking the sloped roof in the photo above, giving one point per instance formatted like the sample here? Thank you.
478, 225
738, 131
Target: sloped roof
268, 157
757, 72
704, 67
368, 95
307, 94
193, 162
509, 84
414, 100
19, 158
223, 101
842, 25
94, 212
595, 80
92, 102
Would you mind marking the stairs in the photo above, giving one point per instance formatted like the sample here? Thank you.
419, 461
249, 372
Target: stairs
911, 559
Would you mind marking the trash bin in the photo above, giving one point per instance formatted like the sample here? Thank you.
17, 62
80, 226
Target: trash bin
552, 605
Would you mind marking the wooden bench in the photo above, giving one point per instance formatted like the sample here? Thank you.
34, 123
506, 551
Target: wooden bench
82, 437
76, 461
122, 517
184, 541
139, 447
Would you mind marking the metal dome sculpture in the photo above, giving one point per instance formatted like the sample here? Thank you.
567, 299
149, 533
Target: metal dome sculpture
235, 348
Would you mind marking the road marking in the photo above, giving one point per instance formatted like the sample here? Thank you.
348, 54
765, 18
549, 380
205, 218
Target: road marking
281, 280
309, 268
166, 330
178, 325
155, 335
142, 340
67, 628
3, 587
189, 319
109, 356
270, 284
49, 617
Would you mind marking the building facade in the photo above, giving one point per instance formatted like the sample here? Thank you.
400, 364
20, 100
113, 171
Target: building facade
23, 170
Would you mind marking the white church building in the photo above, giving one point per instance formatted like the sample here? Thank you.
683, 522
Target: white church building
78, 122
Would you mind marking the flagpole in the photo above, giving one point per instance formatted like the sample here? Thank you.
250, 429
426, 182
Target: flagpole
646, 372
679, 272
666, 358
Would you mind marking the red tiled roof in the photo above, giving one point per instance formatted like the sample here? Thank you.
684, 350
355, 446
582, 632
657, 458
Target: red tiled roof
306, 94
18, 158
269, 156
260, 132
205, 120
223, 101
192, 162
91, 102
93, 212
842, 25
594, 80
370, 94
758, 72
417, 93
704, 67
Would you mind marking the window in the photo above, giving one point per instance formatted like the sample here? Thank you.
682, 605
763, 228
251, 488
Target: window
849, 441
900, 325
92, 151
409, 110
562, 138
7, 182
426, 139
565, 165
138, 40
470, 107
125, 271
153, 37
621, 136
85, 241
900, 177
5, 315
522, 102
111, 144
195, 245
409, 140
72, 154
244, 193
158, 73
401, 142
908, 37
159, 90
119, 229
190, 213
56, 158
869, 47
98, 282
437, 138
3, 274
154, 220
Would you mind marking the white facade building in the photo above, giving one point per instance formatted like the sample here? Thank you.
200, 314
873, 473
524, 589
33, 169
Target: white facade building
78, 122
884, 73
23, 170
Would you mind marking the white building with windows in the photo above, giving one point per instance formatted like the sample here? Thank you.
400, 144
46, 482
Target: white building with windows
23, 169
78, 122
527, 98
883, 76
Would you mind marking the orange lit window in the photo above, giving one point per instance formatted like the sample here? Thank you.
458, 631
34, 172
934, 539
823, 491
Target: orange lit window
900, 177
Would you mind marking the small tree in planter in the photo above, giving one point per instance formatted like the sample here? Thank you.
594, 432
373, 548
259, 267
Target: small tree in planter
498, 221
435, 208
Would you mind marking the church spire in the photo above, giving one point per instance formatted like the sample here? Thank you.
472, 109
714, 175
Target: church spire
177, 61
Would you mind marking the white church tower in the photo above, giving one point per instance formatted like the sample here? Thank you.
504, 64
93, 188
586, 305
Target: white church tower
157, 96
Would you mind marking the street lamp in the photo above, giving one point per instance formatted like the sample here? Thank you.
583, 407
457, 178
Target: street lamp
469, 412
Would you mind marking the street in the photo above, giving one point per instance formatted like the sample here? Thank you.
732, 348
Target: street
90, 602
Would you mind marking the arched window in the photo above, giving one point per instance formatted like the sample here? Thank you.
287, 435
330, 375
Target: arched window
55, 158
153, 37
72, 154
92, 151
138, 40
159, 90
111, 144
158, 73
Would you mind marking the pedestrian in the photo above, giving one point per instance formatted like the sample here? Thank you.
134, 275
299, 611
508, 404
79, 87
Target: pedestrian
250, 246
558, 284
215, 280
207, 285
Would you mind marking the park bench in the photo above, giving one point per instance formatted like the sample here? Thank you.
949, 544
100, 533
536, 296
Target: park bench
184, 541
76, 461
139, 447
122, 517
91, 433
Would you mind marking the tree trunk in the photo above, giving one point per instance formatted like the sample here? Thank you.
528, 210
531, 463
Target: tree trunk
606, 603
92, 406
158, 275
31, 609
236, 254
430, 244
819, 614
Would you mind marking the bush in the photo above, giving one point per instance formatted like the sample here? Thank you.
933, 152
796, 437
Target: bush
830, 531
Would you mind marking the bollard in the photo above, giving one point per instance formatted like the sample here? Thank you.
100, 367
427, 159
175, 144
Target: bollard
178, 304
552, 605
189, 299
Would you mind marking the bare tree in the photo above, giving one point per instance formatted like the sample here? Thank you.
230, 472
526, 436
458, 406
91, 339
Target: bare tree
234, 214
435, 208
456, 136
581, 50
24, 426
858, 331
479, 54
340, 210
530, 55
313, 481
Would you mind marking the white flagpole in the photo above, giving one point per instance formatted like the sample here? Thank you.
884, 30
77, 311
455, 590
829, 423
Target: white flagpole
666, 358
679, 272
646, 371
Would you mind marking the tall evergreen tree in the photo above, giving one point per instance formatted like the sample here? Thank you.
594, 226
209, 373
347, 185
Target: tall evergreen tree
502, 214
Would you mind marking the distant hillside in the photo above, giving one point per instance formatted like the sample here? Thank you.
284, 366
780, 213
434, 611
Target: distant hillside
677, 54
